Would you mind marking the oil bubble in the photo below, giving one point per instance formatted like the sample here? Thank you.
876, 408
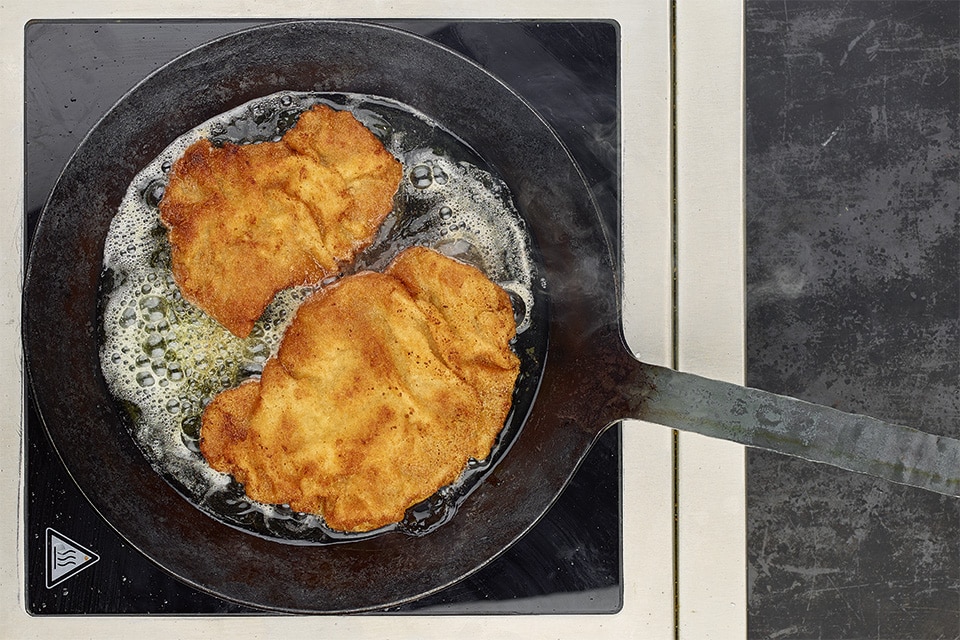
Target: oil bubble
192, 445
153, 308
160, 370
261, 113
519, 306
153, 194
128, 318
145, 379
258, 352
421, 176
155, 346
174, 372
191, 427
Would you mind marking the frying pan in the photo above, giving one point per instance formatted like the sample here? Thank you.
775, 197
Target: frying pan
586, 381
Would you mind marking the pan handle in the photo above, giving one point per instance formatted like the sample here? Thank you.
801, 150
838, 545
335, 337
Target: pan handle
786, 425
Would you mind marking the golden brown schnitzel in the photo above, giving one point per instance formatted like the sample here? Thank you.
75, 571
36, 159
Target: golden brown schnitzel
246, 221
385, 385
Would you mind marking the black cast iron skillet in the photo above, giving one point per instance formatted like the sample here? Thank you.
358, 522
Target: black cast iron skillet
587, 381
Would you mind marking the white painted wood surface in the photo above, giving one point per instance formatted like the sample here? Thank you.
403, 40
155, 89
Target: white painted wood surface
712, 530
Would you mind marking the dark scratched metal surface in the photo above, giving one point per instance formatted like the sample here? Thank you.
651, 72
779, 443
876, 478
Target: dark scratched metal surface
853, 253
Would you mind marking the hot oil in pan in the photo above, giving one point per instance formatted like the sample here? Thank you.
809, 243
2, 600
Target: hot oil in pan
164, 359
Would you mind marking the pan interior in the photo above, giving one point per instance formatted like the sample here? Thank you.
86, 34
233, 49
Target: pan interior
164, 359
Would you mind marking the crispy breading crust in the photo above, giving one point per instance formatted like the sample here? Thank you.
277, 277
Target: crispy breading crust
384, 386
246, 221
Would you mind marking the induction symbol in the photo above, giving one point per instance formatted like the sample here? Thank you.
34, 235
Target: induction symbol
65, 558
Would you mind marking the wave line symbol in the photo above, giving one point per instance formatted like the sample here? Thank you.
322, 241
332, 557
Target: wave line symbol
65, 557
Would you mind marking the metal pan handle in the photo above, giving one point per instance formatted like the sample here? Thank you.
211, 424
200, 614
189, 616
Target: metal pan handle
786, 425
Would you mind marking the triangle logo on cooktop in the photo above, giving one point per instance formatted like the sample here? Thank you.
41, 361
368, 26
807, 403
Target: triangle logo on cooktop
65, 558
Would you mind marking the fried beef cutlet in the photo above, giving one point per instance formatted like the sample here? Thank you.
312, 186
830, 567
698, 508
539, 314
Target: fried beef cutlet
246, 221
384, 386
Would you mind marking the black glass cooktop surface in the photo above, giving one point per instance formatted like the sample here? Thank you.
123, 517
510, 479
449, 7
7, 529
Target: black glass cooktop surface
75, 562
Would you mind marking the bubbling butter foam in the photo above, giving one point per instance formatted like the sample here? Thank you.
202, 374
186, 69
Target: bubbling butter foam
164, 359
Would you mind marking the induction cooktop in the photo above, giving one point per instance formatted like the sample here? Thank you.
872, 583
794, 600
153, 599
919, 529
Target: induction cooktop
570, 562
